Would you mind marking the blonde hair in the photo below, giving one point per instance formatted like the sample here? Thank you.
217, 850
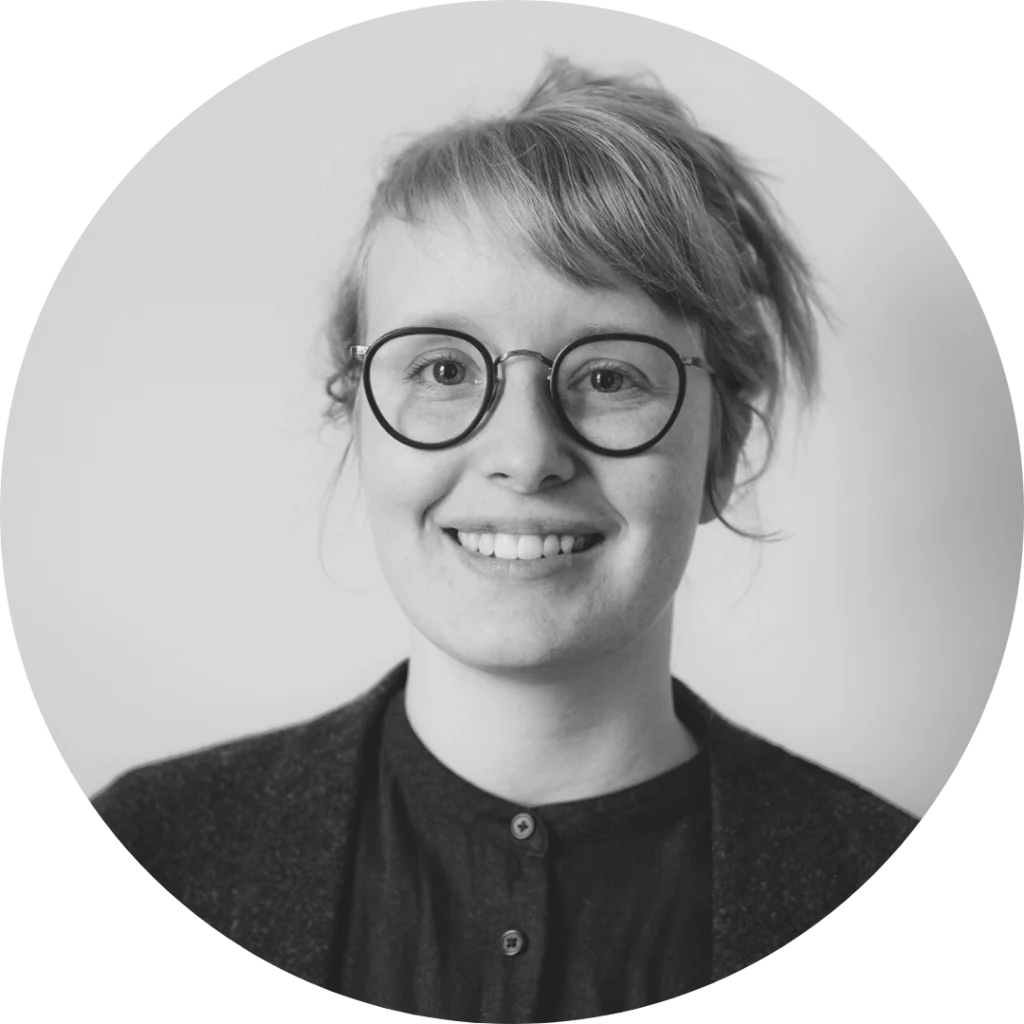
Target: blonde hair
608, 180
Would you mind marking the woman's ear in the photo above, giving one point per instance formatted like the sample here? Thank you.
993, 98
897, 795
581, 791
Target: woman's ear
729, 430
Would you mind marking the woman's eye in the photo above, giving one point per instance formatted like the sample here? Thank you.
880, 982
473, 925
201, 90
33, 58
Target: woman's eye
607, 380
451, 370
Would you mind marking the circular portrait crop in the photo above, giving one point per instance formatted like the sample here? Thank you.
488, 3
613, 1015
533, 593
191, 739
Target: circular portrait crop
508, 546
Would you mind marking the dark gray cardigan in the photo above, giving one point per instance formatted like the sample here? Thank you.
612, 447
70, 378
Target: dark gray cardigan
255, 836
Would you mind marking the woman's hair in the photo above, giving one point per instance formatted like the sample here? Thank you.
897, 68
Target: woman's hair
608, 181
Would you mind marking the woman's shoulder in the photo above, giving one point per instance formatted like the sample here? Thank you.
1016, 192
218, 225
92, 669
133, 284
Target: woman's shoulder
793, 839
766, 791
185, 808
795, 788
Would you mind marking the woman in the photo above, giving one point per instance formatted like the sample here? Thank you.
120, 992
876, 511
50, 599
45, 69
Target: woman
557, 333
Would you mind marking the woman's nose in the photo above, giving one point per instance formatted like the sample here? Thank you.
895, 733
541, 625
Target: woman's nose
523, 435
523, 392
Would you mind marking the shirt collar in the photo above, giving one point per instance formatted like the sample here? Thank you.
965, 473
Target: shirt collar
438, 797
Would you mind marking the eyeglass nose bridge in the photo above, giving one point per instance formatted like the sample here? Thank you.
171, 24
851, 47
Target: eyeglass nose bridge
500, 361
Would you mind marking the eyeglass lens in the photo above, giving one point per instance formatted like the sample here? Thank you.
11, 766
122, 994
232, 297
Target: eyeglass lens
617, 393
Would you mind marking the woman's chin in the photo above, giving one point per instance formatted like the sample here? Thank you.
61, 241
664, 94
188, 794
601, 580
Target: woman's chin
516, 652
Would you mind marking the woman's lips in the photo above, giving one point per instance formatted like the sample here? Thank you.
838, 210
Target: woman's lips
591, 540
502, 567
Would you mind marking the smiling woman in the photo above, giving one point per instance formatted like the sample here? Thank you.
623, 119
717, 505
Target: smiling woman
554, 340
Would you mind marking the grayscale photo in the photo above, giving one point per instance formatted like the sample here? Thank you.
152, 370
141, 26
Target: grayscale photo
494, 529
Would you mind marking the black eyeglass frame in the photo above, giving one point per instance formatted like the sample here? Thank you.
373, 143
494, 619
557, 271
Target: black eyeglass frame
367, 352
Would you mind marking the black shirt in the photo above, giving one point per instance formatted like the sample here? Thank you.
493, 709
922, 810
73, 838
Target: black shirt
469, 907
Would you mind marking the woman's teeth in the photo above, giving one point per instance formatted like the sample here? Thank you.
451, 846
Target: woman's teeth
521, 545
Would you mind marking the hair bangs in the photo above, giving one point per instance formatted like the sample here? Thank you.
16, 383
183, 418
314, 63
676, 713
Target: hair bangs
585, 198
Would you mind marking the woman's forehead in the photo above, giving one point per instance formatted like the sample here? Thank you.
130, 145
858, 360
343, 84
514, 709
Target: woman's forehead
466, 273
449, 253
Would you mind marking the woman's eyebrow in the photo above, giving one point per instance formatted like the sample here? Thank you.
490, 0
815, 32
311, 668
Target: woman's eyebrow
469, 326
612, 327
455, 321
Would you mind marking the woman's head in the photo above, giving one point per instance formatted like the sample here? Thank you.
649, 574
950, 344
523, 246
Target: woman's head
598, 203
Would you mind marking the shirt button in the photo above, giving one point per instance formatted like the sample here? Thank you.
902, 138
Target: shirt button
512, 942
523, 825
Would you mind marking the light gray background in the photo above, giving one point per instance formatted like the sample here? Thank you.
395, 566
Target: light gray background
164, 467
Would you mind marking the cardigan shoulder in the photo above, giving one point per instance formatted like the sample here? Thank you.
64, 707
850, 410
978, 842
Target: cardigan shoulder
798, 777
154, 807
785, 787
193, 820
797, 796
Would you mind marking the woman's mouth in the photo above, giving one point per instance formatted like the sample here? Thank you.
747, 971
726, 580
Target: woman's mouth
523, 546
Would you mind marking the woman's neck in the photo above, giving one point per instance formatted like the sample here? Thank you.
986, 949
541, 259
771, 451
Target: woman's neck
539, 736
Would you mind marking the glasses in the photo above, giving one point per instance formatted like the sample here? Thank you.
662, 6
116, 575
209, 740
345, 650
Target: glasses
616, 394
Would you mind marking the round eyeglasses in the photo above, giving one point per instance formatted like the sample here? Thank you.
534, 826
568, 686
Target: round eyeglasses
616, 394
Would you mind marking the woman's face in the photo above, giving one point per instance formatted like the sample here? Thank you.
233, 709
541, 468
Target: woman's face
520, 474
